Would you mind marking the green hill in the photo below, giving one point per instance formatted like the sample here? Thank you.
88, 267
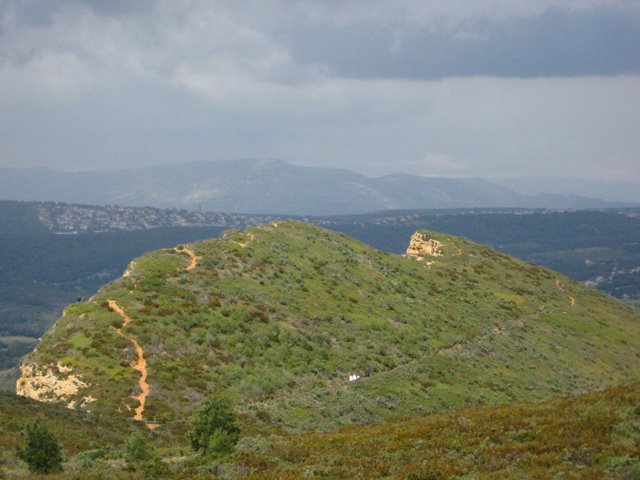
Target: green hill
278, 317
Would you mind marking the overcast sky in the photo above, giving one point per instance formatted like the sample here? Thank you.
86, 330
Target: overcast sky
444, 87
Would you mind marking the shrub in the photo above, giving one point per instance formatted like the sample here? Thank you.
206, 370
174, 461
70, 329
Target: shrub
156, 469
42, 453
87, 458
213, 427
138, 448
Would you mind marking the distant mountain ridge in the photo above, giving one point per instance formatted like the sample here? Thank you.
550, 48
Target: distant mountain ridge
269, 187
613, 191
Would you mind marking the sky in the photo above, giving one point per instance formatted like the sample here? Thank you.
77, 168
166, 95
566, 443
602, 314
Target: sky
454, 88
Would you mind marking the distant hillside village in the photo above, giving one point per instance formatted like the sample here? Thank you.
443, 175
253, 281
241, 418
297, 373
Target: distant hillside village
64, 218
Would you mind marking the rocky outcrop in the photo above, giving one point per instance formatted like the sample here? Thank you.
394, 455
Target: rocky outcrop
422, 245
51, 383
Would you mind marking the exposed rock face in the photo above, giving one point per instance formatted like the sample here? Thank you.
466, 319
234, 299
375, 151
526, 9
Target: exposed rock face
422, 245
51, 383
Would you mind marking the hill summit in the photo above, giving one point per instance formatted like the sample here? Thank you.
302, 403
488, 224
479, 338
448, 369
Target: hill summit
306, 328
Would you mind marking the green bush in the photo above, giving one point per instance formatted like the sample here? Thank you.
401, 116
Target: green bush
138, 448
42, 453
156, 469
213, 427
87, 458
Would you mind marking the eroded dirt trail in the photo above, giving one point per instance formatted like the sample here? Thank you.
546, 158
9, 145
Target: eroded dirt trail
560, 287
194, 258
140, 365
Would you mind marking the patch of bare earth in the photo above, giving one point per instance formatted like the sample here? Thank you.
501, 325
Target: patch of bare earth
140, 365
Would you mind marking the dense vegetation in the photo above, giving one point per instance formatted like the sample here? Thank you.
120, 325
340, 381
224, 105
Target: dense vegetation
278, 317
592, 436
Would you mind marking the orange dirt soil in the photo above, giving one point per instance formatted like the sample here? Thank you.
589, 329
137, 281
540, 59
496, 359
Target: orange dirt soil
139, 366
194, 258
141, 362
560, 287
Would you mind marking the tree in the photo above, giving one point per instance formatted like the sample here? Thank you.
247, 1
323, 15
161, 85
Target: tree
213, 427
42, 453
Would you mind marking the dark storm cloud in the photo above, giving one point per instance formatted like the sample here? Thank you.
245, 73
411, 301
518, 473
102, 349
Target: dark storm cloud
554, 43
402, 39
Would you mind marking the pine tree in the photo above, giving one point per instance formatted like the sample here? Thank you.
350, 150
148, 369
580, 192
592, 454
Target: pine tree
42, 453
213, 427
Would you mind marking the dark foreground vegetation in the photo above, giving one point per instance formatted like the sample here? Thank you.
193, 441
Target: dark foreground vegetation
589, 436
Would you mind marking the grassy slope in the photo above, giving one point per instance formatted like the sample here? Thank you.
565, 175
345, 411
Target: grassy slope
592, 436
278, 324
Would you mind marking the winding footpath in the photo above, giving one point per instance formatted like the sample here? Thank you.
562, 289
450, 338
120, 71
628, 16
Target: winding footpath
560, 287
140, 365
192, 255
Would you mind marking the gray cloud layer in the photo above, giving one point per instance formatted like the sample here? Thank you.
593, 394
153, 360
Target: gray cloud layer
490, 87
553, 43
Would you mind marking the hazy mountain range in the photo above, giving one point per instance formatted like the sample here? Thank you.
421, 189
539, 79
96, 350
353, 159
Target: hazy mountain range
612, 191
258, 186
